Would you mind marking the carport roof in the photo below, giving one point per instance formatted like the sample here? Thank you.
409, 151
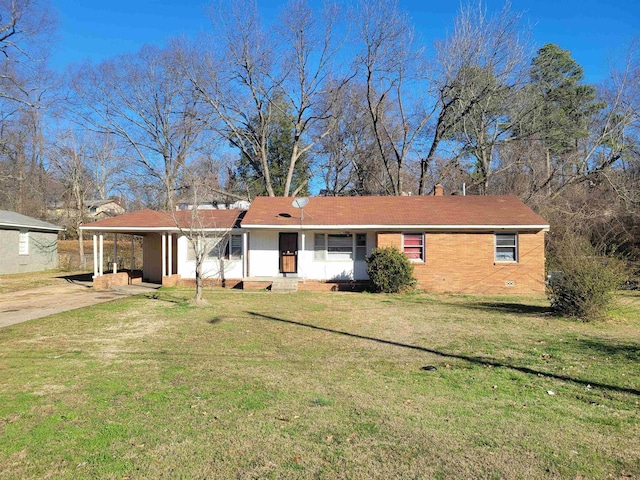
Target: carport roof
151, 220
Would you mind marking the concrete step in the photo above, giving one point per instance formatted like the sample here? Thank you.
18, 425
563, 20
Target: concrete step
284, 285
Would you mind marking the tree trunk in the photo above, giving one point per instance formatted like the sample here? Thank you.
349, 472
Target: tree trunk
424, 162
292, 166
197, 298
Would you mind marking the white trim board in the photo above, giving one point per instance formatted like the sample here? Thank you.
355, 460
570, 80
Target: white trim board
32, 228
398, 227
134, 230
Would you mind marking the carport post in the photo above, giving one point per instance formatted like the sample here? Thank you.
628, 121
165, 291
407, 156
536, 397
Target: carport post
115, 253
245, 246
133, 258
95, 256
164, 254
101, 262
170, 266
300, 263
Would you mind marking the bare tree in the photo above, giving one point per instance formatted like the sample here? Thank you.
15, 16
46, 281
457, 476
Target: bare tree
395, 84
25, 29
256, 82
200, 244
315, 81
23, 169
479, 78
206, 241
105, 163
144, 100
352, 163
236, 79
70, 159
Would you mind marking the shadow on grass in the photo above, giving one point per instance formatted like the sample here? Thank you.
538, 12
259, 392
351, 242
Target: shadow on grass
628, 351
83, 279
165, 296
468, 358
515, 308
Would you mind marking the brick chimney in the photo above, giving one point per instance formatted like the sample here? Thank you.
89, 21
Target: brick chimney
438, 191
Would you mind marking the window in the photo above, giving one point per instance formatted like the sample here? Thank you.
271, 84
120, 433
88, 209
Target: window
23, 243
361, 246
319, 247
340, 246
413, 246
212, 248
506, 247
234, 247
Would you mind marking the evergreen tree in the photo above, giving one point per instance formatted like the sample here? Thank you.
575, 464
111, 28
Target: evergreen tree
279, 150
563, 105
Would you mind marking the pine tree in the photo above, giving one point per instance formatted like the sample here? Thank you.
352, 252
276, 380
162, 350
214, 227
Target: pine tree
279, 150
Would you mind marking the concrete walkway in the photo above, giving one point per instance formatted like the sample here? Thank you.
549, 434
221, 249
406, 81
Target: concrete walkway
24, 305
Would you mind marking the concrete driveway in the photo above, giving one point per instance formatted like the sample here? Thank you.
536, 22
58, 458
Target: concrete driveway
24, 305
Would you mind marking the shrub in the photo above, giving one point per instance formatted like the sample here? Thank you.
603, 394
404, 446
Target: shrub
586, 279
389, 270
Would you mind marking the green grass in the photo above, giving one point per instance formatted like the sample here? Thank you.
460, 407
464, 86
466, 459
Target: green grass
259, 385
24, 281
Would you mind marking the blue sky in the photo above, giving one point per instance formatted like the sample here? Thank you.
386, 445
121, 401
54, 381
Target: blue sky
594, 31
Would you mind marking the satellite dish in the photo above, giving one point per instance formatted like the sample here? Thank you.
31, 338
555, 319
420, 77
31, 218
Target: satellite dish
300, 202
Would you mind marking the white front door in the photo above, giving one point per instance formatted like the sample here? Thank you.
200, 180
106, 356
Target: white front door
360, 266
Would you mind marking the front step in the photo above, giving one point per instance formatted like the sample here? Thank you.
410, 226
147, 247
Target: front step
284, 285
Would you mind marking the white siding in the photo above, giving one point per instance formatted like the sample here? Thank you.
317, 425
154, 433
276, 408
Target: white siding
264, 258
264, 254
211, 268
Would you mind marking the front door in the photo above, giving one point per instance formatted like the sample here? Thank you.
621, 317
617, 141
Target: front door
360, 265
288, 252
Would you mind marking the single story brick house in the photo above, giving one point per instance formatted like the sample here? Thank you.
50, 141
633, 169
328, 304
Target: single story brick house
27, 244
458, 244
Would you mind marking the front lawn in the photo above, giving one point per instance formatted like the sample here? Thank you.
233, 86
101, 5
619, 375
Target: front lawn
16, 282
260, 385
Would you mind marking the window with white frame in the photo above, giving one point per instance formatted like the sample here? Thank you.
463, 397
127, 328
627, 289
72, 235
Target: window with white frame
506, 247
361, 246
339, 246
23, 243
235, 247
413, 246
319, 247
211, 247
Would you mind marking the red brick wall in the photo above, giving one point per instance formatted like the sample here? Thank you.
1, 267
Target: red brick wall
211, 282
464, 263
110, 280
389, 239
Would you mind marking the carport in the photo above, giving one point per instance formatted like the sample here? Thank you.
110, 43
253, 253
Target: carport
159, 259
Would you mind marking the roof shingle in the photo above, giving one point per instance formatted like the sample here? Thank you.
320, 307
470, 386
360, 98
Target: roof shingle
470, 210
419, 211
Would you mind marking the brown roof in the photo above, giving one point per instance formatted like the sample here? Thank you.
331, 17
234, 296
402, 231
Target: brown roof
451, 210
150, 219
